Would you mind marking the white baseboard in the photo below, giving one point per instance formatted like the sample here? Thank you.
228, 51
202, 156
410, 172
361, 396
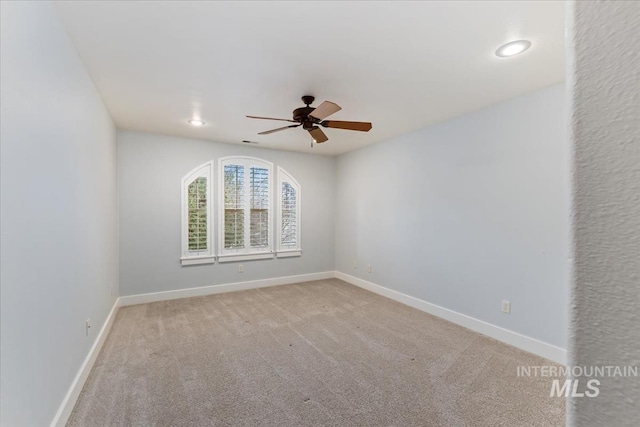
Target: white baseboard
217, 289
69, 401
523, 342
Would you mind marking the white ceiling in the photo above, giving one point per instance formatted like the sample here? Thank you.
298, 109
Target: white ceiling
400, 65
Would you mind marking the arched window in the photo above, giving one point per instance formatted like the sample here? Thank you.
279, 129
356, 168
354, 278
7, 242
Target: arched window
245, 219
197, 232
288, 222
253, 221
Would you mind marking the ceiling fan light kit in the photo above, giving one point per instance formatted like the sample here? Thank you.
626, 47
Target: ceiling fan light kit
311, 118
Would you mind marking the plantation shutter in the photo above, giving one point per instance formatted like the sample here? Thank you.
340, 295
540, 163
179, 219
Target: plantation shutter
197, 215
234, 206
196, 227
288, 233
259, 213
289, 226
247, 219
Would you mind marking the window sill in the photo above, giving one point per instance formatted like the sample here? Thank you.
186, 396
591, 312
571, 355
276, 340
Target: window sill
289, 253
244, 257
195, 260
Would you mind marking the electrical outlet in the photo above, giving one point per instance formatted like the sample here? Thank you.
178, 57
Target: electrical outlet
506, 307
369, 269
87, 326
240, 269
355, 264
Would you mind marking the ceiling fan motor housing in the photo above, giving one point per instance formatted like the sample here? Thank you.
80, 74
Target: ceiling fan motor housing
302, 114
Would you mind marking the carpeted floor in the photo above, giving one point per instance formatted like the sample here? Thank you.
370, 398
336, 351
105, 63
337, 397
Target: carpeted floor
321, 353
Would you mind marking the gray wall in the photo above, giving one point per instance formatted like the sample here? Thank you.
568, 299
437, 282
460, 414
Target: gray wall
150, 169
605, 103
59, 213
467, 213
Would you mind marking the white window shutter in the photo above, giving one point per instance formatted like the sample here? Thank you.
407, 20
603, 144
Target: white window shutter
233, 206
246, 223
288, 230
197, 224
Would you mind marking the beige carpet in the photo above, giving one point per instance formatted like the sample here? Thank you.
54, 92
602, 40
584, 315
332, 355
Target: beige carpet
322, 353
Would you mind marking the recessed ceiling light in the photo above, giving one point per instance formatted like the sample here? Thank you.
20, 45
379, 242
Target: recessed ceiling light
196, 122
513, 48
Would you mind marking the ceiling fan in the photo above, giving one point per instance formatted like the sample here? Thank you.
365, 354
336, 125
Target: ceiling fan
310, 118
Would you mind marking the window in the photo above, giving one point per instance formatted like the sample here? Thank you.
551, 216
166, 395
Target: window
288, 233
245, 220
253, 221
196, 216
234, 206
197, 213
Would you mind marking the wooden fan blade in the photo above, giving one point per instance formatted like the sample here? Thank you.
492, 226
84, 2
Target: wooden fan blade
325, 109
361, 126
317, 135
271, 118
267, 132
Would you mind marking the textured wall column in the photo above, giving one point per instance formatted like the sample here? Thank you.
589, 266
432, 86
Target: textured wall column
604, 80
